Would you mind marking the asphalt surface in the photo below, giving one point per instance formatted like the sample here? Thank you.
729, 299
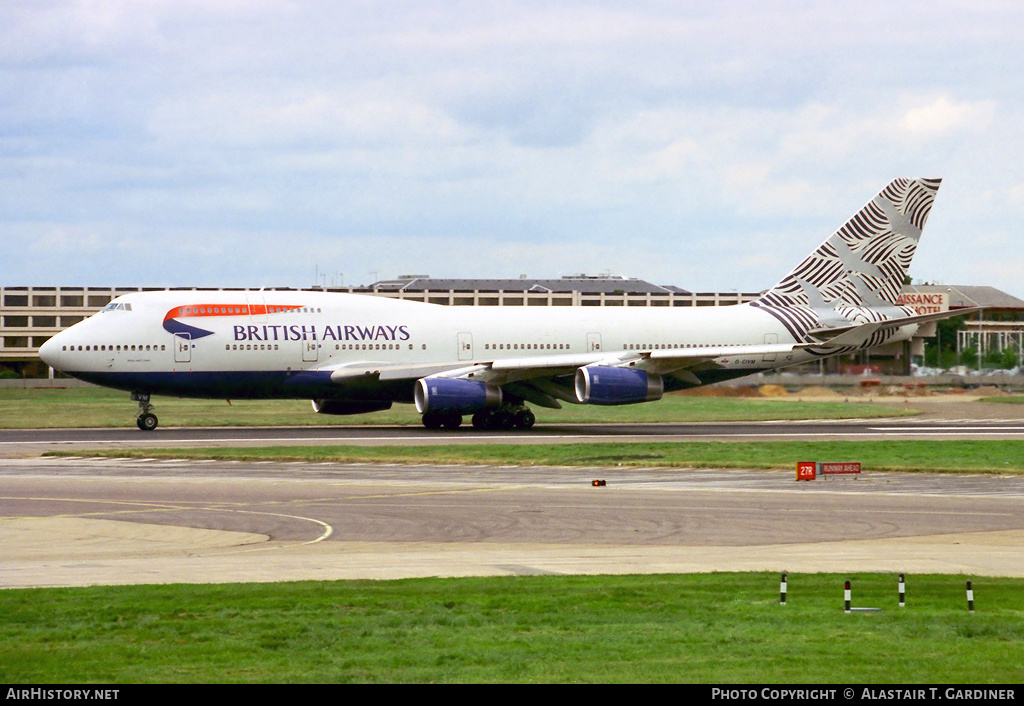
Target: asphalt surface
80, 521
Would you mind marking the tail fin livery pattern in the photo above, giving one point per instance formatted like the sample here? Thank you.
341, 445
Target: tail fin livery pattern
858, 273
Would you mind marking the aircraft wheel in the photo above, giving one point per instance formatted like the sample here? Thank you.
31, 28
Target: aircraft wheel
146, 421
433, 420
500, 419
525, 419
452, 421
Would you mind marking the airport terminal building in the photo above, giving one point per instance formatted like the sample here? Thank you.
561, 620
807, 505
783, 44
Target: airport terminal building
31, 315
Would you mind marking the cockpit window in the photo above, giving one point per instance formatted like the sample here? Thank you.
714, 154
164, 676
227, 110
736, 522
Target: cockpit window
117, 306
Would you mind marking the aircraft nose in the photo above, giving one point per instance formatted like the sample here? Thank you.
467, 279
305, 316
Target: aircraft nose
49, 352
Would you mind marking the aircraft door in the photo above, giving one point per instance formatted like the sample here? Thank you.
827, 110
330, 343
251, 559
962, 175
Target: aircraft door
257, 307
593, 342
770, 339
465, 346
182, 348
310, 351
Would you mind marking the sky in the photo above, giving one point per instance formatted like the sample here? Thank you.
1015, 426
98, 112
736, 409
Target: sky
708, 145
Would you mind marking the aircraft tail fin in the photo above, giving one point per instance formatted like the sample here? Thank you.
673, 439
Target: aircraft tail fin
864, 263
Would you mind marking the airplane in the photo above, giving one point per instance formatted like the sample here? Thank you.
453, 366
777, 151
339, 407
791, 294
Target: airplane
356, 353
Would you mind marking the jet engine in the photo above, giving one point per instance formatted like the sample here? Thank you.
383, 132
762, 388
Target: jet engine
349, 406
597, 384
455, 395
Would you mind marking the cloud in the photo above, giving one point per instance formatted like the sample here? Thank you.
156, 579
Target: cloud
272, 120
945, 116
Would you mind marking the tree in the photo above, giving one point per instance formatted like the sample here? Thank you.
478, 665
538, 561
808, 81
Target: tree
941, 349
1009, 359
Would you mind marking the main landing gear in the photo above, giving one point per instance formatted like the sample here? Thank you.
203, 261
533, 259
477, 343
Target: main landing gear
498, 418
146, 420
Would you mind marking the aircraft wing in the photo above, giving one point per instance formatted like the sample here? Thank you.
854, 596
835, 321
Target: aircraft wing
536, 378
544, 380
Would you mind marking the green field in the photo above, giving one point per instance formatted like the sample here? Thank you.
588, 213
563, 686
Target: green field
95, 407
1012, 399
1005, 457
717, 628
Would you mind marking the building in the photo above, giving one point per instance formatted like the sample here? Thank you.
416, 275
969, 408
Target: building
999, 327
575, 290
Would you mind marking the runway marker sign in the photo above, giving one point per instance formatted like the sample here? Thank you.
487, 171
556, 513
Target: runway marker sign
809, 470
839, 468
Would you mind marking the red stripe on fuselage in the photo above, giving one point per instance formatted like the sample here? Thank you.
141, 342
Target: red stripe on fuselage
205, 310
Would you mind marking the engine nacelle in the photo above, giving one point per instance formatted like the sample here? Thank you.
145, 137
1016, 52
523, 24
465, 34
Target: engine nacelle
349, 406
455, 395
597, 384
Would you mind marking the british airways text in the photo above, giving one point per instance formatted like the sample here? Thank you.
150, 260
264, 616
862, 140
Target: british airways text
297, 332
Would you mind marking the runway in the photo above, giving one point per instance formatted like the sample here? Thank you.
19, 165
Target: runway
68, 522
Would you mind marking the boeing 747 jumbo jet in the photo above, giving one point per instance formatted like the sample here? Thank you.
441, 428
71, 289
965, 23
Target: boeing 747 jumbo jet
353, 353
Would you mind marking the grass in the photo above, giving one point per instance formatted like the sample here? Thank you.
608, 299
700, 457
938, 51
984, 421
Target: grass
22, 408
1012, 399
1005, 457
717, 628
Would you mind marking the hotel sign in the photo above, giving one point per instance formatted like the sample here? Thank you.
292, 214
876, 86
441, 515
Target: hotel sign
922, 303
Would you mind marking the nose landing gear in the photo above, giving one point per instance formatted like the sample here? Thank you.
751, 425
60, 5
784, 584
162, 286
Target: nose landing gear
146, 420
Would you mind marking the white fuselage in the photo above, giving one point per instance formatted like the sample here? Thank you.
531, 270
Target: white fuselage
286, 343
